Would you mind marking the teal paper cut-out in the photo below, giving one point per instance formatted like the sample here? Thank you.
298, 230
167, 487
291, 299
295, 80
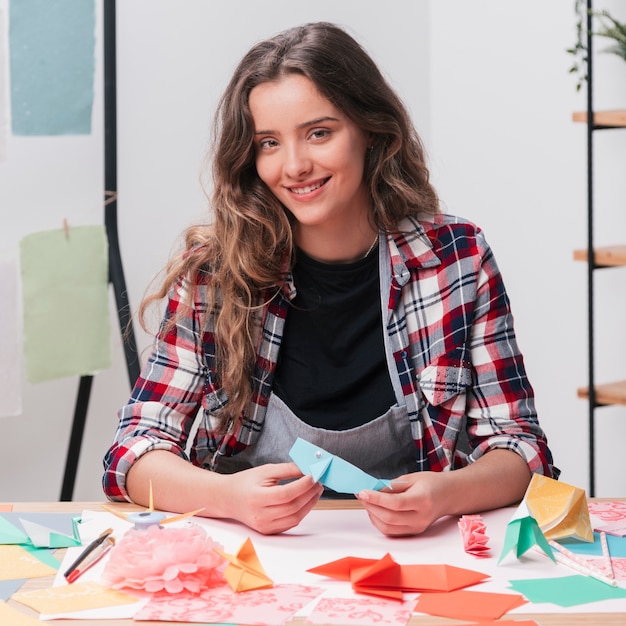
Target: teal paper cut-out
522, 533
566, 590
332, 471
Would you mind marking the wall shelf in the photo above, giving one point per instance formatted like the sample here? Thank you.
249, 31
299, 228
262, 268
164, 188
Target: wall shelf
603, 119
607, 393
606, 256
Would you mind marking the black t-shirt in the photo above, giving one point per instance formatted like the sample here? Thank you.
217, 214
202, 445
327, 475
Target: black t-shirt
332, 371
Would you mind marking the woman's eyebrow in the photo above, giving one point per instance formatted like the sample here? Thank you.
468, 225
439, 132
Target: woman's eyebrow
314, 122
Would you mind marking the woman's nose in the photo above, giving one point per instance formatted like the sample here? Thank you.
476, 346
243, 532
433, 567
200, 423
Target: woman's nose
297, 161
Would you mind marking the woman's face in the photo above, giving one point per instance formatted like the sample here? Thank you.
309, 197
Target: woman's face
310, 155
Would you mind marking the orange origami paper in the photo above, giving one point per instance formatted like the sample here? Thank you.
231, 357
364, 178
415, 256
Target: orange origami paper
560, 509
384, 577
469, 605
245, 572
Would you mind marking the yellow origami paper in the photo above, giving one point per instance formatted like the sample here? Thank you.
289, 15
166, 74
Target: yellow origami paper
9, 615
560, 509
245, 572
70, 598
15, 562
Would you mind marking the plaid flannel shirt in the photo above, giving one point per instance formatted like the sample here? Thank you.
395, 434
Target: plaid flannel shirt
450, 328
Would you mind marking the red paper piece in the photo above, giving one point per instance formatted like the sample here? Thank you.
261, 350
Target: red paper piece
473, 529
469, 605
384, 577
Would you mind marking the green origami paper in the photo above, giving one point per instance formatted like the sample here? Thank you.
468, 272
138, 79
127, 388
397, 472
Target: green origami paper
522, 533
567, 590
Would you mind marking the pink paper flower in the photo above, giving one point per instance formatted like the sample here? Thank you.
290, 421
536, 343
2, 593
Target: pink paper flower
165, 559
473, 529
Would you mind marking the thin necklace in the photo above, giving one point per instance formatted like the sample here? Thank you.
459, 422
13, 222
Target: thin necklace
371, 247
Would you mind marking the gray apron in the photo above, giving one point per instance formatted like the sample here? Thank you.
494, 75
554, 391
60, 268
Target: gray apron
383, 447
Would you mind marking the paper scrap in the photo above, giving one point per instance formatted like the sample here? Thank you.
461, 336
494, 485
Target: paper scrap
566, 590
9, 615
361, 610
52, 63
468, 605
9, 587
221, 604
40, 530
75, 597
15, 562
65, 288
608, 516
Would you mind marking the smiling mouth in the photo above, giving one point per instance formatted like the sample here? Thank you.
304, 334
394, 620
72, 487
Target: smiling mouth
300, 191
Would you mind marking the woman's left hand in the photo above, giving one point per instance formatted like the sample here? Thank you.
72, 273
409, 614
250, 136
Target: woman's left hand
415, 501
407, 510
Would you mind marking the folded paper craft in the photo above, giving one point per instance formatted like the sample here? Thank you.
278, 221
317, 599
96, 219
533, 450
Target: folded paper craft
332, 471
149, 517
39, 531
245, 572
387, 578
522, 533
560, 509
473, 531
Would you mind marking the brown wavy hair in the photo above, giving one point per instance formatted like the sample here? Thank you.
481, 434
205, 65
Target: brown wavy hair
248, 247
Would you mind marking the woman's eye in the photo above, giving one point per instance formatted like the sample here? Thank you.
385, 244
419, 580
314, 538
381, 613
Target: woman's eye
320, 133
266, 144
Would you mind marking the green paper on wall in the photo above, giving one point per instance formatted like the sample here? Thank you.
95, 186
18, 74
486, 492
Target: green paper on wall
65, 301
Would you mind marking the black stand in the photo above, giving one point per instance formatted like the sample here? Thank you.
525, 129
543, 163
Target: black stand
116, 272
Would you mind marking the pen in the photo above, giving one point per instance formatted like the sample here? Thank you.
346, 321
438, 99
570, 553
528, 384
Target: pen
90, 555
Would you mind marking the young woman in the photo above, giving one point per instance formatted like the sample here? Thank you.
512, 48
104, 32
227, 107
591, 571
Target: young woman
329, 299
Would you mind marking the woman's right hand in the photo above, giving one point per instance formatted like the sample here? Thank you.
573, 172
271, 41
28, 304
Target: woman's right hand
259, 498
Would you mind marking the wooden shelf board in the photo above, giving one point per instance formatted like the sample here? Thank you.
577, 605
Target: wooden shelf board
607, 393
615, 117
613, 256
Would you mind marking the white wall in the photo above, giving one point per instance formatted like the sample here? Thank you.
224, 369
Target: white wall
489, 88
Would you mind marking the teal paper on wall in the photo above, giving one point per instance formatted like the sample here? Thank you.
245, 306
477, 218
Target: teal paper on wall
51, 51
65, 302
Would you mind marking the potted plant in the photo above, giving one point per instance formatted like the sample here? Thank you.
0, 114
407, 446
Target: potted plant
609, 28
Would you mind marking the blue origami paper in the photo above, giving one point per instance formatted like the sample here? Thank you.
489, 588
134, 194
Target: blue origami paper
332, 471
